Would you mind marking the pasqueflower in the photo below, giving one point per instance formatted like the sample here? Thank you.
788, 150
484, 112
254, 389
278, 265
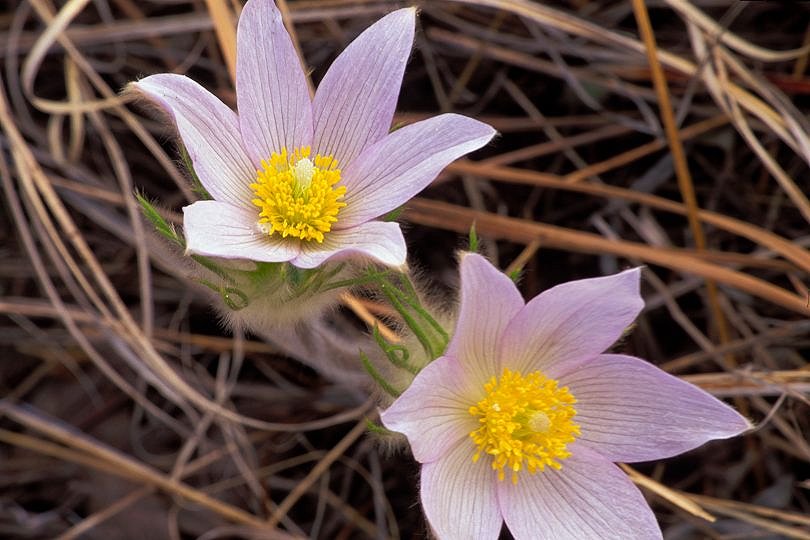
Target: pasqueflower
522, 418
299, 179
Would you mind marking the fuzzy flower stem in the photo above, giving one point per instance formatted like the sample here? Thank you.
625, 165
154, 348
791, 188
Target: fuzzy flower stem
213, 267
374, 427
397, 354
394, 298
316, 281
296, 276
413, 301
404, 303
370, 277
233, 297
213, 286
378, 378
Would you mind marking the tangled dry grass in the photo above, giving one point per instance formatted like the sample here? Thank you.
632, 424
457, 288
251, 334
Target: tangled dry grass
671, 134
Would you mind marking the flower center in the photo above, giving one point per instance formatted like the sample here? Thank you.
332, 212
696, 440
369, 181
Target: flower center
297, 195
526, 421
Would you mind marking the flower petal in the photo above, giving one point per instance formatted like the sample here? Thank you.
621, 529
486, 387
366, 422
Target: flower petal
571, 322
589, 498
629, 410
399, 166
489, 300
218, 229
355, 101
377, 240
275, 110
432, 412
210, 133
459, 497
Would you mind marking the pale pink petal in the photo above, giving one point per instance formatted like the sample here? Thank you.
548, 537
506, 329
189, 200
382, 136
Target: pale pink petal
402, 164
589, 498
572, 322
459, 497
210, 133
629, 410
433, 411
489, 300
218, 229
355, 101
275, 110
376, 240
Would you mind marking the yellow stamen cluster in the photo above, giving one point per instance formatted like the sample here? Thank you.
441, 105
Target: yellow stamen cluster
297, 195
525, 421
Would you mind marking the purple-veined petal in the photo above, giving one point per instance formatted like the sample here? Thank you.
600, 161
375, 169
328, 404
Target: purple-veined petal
589, 498
629, 410
432, 412
218, 229
210, 134
459, 497
355, 101
377, 240
275, 110
571, 322
403, 163
489, 300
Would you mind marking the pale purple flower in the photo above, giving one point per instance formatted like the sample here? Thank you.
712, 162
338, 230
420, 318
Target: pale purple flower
522, 418
303, 180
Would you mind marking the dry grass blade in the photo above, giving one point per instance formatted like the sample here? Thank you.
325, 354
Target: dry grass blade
672, 496
316, 472
225, 28
157, 420
791, 251
93, 453
459, 219
685, 183
730, 39
92, 522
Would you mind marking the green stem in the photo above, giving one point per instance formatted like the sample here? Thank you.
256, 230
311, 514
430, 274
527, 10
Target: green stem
388, 290
316, 281
205, 262
374, 427
413, 301
411, 298
213, 286
233, 297
363, 280
372, 371
397, 354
